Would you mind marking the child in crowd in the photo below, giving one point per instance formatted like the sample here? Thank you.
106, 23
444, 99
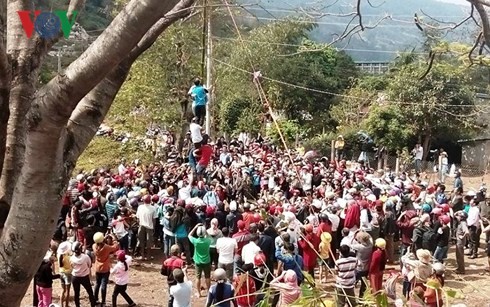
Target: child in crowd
120, 273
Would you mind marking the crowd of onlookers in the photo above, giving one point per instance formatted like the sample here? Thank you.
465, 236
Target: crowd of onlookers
254, 223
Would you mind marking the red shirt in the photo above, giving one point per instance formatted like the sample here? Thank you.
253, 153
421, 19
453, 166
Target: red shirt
247, 218
309, 253
323, 227
378, 261
206, 154
242, 237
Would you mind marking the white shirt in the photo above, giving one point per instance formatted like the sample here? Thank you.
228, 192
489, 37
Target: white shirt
185, 192
335, 219
121, 276
121, 169
249, 251
226, 249
119, 229
146, 214
419, 153
365, 224
81, 265
473, 217
195, 129
182, 293
307, 178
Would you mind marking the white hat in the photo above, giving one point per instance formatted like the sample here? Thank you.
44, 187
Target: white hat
317, 203
233, 205
371, 197
342, 203
64, 247
79, 177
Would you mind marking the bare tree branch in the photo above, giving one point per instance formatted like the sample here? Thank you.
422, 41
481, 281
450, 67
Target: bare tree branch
432, 56
358, 8
482, 2
485, 22
453, 25
375, 6
92, 109
417, 22
477, 42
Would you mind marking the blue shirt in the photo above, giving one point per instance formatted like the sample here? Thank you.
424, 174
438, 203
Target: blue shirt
228, 292
198, 93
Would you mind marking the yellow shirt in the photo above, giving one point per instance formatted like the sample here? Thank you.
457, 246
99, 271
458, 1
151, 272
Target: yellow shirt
66, 268
324, 250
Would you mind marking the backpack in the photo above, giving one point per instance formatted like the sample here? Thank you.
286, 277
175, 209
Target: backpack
429, 240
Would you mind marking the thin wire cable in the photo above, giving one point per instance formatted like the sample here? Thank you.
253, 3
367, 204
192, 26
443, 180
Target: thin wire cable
297, 45
256, 81
324, 15
344, 95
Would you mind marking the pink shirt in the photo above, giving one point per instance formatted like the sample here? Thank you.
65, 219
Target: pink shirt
121, 276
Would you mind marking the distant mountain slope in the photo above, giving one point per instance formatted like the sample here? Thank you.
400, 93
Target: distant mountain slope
397, 33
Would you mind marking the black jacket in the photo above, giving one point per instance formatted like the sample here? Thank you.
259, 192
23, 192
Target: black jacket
44, 276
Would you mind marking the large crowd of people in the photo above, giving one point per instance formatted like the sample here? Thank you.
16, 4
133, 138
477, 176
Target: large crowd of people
255, 223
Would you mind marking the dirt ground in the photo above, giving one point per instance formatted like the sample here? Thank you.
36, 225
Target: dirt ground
148, 288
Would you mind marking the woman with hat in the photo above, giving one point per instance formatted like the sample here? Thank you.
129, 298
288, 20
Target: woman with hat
221, 294
377, 265
81, 265
422, 268
103, 248
120, 272
64, 251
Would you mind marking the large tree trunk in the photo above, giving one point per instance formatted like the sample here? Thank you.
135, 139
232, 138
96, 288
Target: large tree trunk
36, 198
93, 108
26, 57
4, 99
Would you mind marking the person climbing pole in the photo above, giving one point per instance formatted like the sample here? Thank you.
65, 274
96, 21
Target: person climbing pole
199, 100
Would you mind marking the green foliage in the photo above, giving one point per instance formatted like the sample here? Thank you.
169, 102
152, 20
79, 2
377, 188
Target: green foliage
388, 126
283, 58
289, 129
436, 103
158, 82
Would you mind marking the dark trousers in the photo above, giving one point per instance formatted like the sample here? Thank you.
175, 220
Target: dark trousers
101, 281
121, 289
460, 257
124, 243
185, 247
214, 256
85, 282
345, 296
474, 239
362, 276
200, 113
407, 287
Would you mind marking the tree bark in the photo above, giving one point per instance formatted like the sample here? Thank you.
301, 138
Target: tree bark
22, 78
485, 21
91, 111
31, 220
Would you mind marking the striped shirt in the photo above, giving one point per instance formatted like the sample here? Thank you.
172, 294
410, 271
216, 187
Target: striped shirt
346, 277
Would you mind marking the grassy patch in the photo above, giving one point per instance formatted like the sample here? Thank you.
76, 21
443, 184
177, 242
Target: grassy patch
105, 152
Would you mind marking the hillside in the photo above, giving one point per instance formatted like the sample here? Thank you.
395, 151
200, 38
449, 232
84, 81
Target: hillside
397, 33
